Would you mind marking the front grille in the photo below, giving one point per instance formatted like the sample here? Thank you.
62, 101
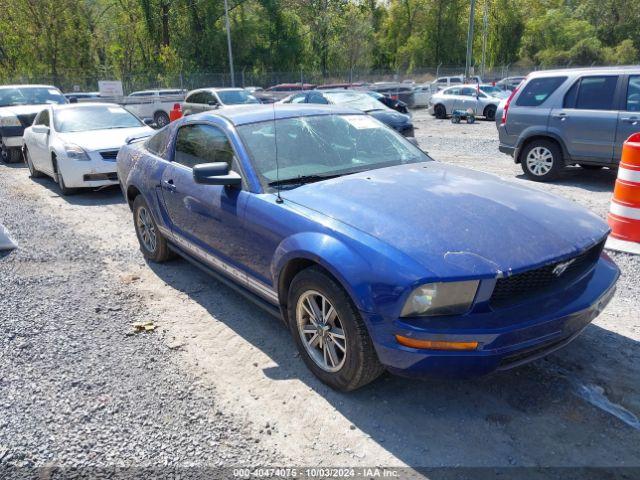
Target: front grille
92, 177
512, 290
27, 119
109, 155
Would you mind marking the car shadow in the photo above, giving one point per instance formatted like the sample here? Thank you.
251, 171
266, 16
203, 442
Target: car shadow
532, 415
110, 195
591, 180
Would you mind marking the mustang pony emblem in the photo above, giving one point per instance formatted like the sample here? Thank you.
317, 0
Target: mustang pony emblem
560, 268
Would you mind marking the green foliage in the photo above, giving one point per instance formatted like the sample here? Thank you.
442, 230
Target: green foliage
159, 40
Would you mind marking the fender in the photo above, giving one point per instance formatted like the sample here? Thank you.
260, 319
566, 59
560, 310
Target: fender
532, 132
370, 276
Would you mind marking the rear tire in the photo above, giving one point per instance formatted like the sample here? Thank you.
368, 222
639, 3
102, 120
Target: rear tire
33, 173
440, 111
343, 355
153, 244
490, 112
161, 119
541, 160
586, 166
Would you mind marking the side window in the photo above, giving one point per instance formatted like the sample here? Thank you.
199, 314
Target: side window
196, 144
42, 119
158, 144
468, 92
316, 98
633, 94
208, 98
452, 91
455, 80
298, 98
537, 90
192, 98
571, 95
596, 93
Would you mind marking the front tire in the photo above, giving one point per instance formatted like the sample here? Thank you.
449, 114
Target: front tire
541, 161
490, 112
153, 244
33, 173
329, 332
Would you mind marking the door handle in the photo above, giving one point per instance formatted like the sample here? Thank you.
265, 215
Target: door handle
168, 185
561, 116
631, 120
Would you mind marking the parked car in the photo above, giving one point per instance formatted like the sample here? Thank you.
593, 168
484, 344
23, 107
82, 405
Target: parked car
397, 91
509, 83
77, 144
422, 94
19, 104
359, 100
443, 82
282, 90
376, 256
205, 99
464, 97
570, 117
397, 105
154, 104
81, 95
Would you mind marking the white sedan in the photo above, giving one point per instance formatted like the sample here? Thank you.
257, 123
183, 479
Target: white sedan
464, 97
77, 144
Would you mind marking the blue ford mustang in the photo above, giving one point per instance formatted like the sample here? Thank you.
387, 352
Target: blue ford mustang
376, 256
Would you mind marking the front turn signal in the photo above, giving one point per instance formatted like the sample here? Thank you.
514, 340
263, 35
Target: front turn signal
435, 345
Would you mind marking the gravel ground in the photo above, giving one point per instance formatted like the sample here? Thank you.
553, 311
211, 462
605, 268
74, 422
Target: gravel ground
219, 382
78, 387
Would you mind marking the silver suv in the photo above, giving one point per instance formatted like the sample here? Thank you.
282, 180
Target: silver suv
570, 117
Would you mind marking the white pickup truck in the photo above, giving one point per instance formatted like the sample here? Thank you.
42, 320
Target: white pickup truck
154, 104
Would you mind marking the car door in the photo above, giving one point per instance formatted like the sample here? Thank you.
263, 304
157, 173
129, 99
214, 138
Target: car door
39, 142
206, 220
469, 99
588, 118
453, 100
629, 116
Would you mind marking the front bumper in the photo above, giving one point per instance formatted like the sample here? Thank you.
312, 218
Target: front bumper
95, 172
12, 142
507, 338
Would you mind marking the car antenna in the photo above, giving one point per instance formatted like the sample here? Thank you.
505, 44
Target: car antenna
275, 139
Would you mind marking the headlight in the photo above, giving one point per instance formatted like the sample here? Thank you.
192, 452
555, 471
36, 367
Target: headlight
444, 298
75, 152
9, 120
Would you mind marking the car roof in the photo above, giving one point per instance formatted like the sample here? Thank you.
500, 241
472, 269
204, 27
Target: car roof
216, 89
582, 70
72, 106
27, 86
245, 114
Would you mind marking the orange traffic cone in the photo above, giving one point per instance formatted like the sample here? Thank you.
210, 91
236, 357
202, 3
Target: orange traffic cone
176, 112
624, 213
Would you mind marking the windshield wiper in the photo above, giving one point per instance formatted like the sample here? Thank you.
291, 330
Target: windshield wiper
302, 179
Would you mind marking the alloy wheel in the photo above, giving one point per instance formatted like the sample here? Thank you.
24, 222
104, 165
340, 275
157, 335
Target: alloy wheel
539, 161
321, 331
147, 229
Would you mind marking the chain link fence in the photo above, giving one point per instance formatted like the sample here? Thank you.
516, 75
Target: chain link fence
70, 82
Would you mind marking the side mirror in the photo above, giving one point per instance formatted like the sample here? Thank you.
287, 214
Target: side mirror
215, 174
73, 99
149, 122
40, 129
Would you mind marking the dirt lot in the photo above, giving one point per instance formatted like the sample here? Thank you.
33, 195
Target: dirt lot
220, 382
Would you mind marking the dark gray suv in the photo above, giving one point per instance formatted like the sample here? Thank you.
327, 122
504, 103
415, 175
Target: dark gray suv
570, 117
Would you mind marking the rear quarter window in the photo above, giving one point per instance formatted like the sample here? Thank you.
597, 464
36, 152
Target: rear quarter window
158, 144
537, 90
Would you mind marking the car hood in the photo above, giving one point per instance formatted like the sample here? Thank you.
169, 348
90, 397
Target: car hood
390, 117
103, 139
453, 221
23, 109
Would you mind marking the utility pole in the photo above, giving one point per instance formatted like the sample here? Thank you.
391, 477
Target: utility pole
485, 31
226, 17
467, 66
